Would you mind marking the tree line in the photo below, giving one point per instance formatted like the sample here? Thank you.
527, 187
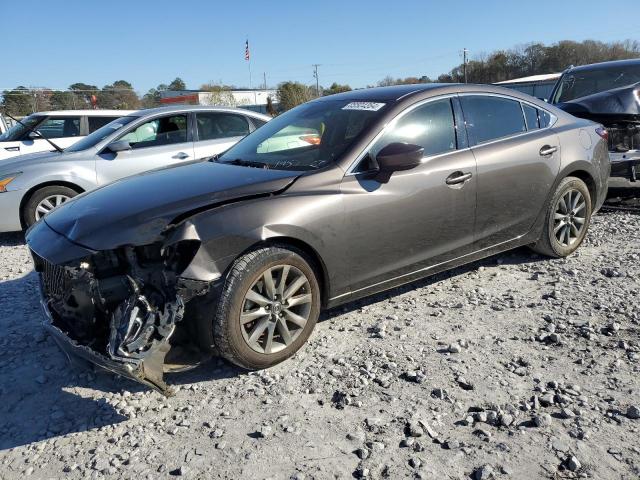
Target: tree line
500, 65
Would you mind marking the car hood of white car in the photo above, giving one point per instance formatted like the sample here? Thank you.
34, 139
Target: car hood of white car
14, 164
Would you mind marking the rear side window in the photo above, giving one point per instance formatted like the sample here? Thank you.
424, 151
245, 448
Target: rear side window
98, 122
490, 118
60, 127
213, 126
531, 115
431, 126
257, 122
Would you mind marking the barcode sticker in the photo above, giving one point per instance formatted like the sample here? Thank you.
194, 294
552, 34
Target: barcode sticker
370, 106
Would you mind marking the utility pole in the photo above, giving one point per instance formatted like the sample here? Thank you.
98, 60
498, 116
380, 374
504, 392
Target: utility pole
315, 75
264, 76
464, 63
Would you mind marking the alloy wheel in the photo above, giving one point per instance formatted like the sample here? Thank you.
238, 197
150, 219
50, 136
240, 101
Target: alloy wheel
569, 217
48, 204
275, 309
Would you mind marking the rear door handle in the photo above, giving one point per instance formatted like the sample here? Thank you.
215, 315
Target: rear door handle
548, 150
180, 156
12, 149
457, 178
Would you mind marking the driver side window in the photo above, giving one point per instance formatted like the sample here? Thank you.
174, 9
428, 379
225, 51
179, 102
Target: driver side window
157, 132
430, 126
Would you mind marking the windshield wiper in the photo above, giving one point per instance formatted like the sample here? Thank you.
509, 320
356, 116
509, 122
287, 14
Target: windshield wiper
35, 131
246, 163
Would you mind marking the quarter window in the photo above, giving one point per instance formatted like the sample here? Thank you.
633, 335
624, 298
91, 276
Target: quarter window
60, 127
159, 131
98, 122
212, 126
531, 114
544, 118
430, 126
489, 118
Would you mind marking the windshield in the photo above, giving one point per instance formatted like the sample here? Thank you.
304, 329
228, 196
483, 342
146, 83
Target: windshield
96, 137
308, 137
582, 84
18, 131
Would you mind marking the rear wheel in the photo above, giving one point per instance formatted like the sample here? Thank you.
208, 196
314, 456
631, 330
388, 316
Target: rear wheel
268, 307
568, 219
44, 201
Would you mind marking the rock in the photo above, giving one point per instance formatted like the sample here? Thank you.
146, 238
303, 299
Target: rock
633, 412
414, 429
542, 420
454, 348
265, 431
572, 463
415, 462
483, 473
363, 453
506, 419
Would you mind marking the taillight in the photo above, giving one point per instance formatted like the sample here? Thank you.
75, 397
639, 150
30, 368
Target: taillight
603, 132
311, 139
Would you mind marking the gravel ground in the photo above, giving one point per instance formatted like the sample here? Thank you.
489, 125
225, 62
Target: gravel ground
513, 367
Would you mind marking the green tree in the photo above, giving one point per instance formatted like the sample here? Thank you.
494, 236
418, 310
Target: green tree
18, 102
336, 88
82, 94
177, 84
292, 94
119, 95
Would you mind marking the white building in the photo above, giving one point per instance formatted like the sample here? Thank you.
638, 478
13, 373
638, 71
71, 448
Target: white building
254, 99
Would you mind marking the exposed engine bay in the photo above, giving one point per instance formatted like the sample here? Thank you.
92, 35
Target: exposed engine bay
124, 304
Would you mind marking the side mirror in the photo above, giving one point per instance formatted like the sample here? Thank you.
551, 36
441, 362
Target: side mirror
396, 157
119, 146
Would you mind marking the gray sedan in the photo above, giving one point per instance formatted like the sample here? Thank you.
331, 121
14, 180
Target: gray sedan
33, 185
238, 255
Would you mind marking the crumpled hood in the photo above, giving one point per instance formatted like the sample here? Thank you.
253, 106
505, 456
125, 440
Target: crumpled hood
136, 210
617, 104
13, 164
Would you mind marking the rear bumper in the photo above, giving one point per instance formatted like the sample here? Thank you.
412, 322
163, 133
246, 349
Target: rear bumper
10, 208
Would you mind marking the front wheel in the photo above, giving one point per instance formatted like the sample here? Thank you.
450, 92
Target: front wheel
44, 201
268, 307
568, 219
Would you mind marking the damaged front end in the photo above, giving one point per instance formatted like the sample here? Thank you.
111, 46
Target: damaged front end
120, 308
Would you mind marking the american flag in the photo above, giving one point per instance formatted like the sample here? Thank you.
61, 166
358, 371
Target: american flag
246, 51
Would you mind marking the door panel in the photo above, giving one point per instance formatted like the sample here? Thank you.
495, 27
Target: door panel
208, 148
111, 166
156, 143
412, 222
513, 185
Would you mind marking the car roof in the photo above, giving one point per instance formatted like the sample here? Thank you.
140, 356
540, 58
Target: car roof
397, 93
88, 113
200, 108
605, 65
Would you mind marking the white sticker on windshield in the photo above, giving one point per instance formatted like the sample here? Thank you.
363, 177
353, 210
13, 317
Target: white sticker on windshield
370, 106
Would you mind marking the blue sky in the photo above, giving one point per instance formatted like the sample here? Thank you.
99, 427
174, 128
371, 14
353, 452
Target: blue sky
54, 44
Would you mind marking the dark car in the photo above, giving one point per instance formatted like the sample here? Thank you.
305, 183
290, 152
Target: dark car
607, 93
239, 254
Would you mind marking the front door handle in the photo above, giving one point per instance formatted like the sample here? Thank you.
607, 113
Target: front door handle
548, 150
181, 155
457, 178
12, 149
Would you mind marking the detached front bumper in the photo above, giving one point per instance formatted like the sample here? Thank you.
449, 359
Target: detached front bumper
119, 309
140, 371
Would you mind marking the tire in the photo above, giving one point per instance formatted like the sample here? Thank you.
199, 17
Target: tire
232, 338
30, 213
549, 243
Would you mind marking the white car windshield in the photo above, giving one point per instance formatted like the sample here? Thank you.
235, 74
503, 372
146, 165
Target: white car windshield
96, 137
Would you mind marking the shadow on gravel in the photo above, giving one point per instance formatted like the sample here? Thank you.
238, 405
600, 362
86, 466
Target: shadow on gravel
43, 393
11, 239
